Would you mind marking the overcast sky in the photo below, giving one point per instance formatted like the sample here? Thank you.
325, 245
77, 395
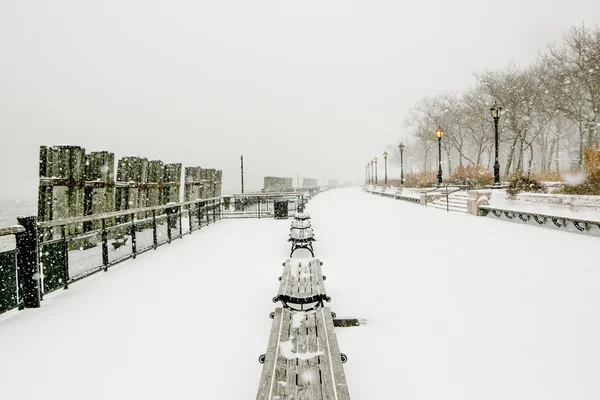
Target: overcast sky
314, 88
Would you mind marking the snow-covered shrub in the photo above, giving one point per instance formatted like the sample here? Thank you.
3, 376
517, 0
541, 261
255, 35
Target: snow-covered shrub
472, 175
520, 183
421, 180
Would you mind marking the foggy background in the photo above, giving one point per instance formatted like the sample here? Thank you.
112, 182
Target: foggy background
309, 88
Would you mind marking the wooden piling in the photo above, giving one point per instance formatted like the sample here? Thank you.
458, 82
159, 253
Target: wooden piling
172, 183
62, 186
99, 194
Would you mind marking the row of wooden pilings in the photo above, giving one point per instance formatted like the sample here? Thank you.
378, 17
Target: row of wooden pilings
74, 183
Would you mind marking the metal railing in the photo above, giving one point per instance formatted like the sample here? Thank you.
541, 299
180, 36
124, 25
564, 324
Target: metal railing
540, 219
50, 255
46, 258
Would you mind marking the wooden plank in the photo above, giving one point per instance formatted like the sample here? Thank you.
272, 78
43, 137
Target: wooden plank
325, 366
285, 279
339, 378
266, 378
285, 376
312, 347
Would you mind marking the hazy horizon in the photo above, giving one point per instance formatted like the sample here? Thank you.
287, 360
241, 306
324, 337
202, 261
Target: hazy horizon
313, 89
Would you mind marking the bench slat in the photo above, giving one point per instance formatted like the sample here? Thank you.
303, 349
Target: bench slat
264, 387
334, 352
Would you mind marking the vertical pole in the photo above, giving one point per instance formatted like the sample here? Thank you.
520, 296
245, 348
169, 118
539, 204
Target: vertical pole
180, 222
259, 208
440, 160
401, 166
190, 217
213, 210
206, 210
375, 172
496, 163
242, 170
133, 239
28, 266
386, 170
154, 234
199, 212
168, 211
63, 232
104, 245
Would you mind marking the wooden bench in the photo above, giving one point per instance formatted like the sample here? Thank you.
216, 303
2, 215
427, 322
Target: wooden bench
302, 286
301, 216
303, 360
301, 223
302, 239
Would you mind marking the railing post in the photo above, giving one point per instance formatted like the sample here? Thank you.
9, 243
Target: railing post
259, 208
180, 222
190, 217
213, 210
104, 245
154, 235
199, 212
63, 233
168, 211
207, 216
133, 240
28, 266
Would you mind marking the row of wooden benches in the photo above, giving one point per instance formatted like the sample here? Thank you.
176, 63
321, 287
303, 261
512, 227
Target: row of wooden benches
303, 359
302, 234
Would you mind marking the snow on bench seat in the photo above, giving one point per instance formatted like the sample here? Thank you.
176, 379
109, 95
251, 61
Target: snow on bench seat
303, 360
302, 286
301, 223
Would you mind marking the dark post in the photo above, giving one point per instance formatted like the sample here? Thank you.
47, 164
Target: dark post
401, 147
65, 242
154, 235
439, 133
104, 245
385, 156
199, 214
496, 115
168, 210
180, 218
133, 240
439, 176
28, 266
242, 169
375, 170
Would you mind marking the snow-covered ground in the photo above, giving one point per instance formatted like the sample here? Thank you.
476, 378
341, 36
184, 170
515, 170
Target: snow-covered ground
457, 307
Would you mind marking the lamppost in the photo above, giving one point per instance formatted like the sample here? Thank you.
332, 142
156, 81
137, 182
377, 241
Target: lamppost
242, 171
375, 159
372, 173
401, 147
385, 154
496, 115
439, 133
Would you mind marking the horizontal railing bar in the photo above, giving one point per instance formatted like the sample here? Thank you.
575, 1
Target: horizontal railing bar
263, 195
114, 214
11, 230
